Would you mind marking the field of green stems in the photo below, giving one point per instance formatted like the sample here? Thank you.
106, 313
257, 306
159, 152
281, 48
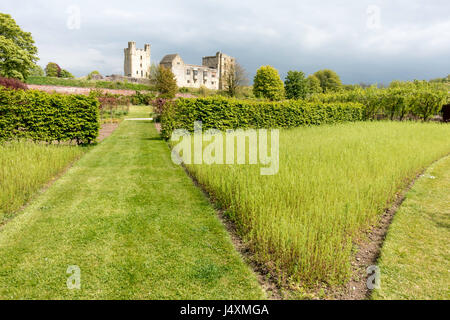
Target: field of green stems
334, 181
25, 167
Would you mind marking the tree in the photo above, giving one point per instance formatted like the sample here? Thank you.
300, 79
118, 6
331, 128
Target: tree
267, 84
66, 74
153, 73
18, 55
166, 83
37, 71
296, 85
235, 78
329, 80
52, 70
395, 102
427, 102
313, 84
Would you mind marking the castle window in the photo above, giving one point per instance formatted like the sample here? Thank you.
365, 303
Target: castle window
188, 72
205, 74
213, 75
195, 72
189, 81
141, 65
141, 57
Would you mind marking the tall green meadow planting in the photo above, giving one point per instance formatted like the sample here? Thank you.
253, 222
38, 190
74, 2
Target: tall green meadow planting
334, 181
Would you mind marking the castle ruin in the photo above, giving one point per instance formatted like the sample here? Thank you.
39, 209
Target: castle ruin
211, 74
137, 61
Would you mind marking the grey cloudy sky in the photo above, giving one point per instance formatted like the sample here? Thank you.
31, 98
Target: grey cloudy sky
364, 41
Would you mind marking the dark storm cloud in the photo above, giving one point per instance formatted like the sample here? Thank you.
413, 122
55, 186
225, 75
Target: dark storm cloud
369, 41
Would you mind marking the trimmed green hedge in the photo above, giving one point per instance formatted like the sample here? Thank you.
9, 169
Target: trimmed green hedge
41, 116
222, 114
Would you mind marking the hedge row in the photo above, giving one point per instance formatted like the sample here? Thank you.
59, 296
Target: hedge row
41, 116
222, 114
393, 103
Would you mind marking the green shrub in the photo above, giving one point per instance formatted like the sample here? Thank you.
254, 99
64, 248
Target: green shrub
139, 98
93, 73
66, 74
222, 114
41, 116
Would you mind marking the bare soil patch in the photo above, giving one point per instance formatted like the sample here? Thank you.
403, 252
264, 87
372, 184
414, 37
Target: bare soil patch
106, 130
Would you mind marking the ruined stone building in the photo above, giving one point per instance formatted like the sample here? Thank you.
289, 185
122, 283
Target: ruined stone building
210, 74
137, 61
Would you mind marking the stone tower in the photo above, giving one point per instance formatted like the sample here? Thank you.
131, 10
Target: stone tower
223, 63
137, 61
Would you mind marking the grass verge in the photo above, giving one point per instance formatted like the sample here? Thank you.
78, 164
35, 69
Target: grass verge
415, 259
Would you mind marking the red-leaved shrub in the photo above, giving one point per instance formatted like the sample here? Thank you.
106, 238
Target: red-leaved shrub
12, 84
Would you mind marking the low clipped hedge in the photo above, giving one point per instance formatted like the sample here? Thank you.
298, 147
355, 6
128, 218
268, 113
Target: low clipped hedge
41, 116
222, 114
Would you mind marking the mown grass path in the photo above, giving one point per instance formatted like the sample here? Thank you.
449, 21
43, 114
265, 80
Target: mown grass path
132, 221
415, 259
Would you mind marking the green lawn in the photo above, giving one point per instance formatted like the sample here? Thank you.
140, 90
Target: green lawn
132, 221
415, 260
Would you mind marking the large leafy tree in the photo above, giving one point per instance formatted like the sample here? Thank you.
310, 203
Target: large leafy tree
329, 80
53, 70
296, 85
18, 54
313, 84
267, 84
